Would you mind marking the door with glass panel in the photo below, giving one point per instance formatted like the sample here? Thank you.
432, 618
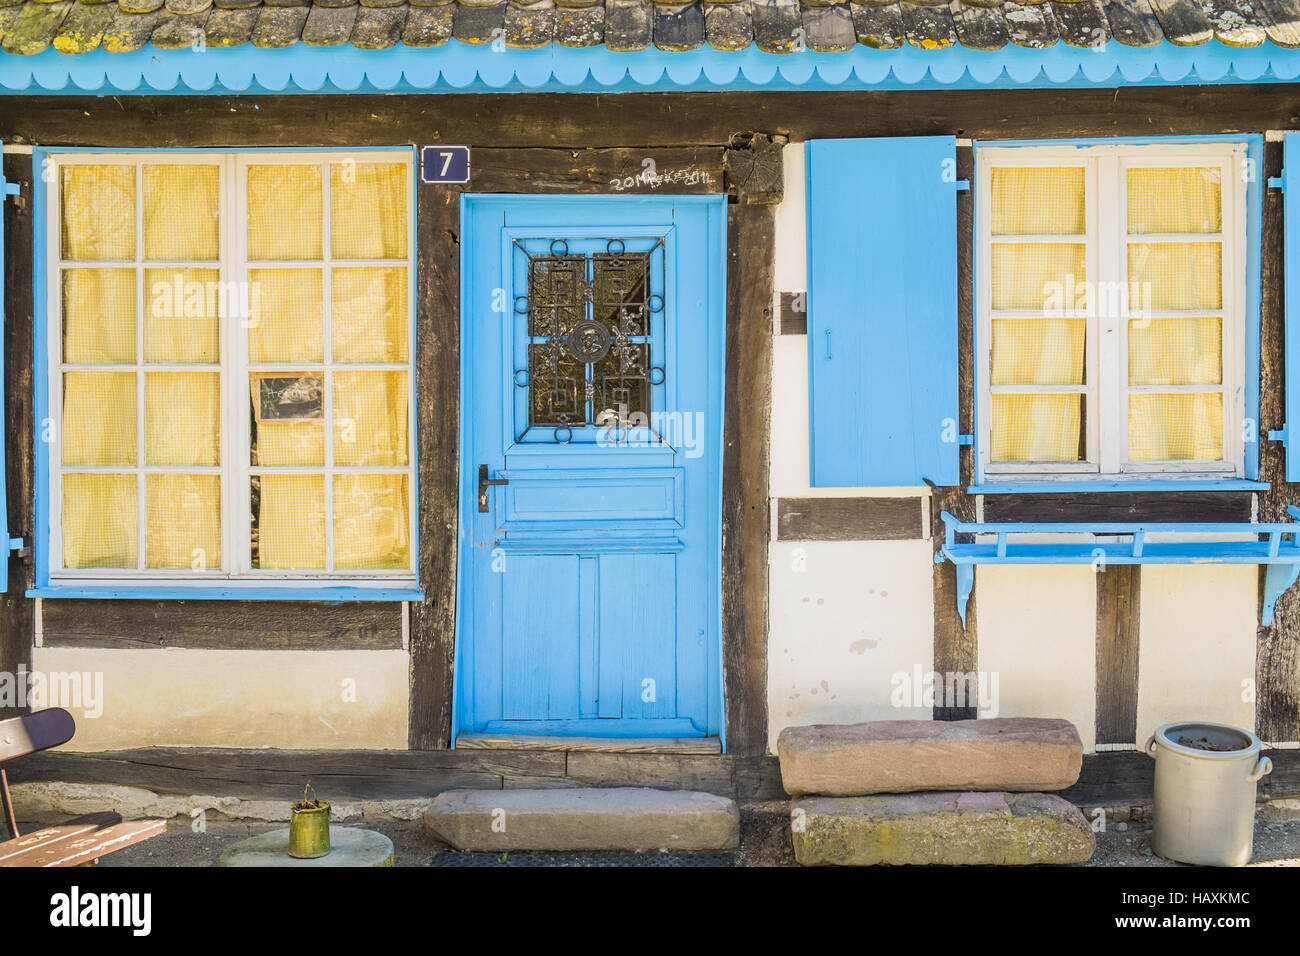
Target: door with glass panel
592, 355
229, 367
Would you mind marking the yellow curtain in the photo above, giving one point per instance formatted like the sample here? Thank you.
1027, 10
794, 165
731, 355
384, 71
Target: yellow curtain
1175, 351
286, 443
99, 521
1038, 351
1038, 201
370, 418
1176, 275
1175, 200
371, 320
98, 212
99, 316
371, 522
1038, 275
182, 414
182, 212
1036, 427
287, 316
368, 210
99, 418
182, 323
1181, 427
183, 528
284, 212
291, 522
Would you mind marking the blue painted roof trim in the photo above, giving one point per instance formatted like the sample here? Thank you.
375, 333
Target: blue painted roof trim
460, 67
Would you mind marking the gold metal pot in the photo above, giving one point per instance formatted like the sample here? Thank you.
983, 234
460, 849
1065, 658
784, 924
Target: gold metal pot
309, 832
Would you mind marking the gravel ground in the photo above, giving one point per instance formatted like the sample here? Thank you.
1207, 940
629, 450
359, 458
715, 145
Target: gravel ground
764, 842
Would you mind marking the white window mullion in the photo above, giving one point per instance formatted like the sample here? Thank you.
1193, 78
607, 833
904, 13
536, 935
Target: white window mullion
1112, 270
327, 382
141, 509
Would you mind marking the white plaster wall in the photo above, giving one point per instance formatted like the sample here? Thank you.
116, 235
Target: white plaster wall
846, 618
1037, 631
299, 700
1196, 649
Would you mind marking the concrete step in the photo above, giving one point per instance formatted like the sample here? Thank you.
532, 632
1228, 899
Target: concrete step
906, 756
623, 818
950, 829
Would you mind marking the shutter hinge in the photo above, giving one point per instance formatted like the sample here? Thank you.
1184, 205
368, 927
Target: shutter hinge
965, 439
12, 189
962, 185
1282, 434
16, 545
1277, 182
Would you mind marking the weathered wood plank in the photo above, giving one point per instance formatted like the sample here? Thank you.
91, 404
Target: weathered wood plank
16, 610
281, 774
848, 519
879, 27
661, 771
634, 119
1277, 648
641, 170
1119, 599
616, 745
794, 314
244, 625
1149, 506
746, 524
956, 646
433, 620
1031, 26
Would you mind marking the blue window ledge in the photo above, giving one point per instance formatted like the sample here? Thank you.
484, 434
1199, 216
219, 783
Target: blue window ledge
1283, 563
1074, 487
145, 592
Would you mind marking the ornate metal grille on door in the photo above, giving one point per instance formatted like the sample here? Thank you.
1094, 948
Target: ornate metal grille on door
591, 311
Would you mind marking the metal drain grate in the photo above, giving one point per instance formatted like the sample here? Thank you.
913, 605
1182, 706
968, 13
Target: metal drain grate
453, 858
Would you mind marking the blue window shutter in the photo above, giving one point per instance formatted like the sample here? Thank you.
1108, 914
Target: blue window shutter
1289, 435
882, 311
7, 189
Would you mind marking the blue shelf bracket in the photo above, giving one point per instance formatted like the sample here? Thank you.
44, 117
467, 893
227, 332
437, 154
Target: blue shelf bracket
1126, 543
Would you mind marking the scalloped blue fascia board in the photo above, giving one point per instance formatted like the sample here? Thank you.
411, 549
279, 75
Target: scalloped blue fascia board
461, 67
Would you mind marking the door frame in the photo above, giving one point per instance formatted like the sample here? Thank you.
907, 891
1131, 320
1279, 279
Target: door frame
476, 299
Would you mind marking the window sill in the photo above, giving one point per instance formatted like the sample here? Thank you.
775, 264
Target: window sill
1129, 484
232, 593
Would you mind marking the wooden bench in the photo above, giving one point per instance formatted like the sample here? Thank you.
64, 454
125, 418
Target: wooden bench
83, 840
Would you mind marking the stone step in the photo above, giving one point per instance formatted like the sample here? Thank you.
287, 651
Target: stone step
622, 818
953, 829
906, 756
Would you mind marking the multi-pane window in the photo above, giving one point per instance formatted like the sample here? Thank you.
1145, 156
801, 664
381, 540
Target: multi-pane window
1110, 293
230, 366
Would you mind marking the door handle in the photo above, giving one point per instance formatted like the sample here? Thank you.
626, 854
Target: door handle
484, 482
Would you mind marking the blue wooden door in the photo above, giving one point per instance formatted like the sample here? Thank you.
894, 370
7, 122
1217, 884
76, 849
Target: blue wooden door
592, 397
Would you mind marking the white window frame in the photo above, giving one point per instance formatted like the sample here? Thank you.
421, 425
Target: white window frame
234, 368
1105, 358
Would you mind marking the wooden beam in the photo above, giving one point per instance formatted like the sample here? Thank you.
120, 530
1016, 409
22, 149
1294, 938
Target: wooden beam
433, 620
222, 625
848, 519
1119, 778
1277, 648
658, 120
746, 520
1161, 506
1119, 600
956, 647
16, 610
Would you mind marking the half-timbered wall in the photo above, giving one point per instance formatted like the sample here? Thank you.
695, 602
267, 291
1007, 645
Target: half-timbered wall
828, 594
